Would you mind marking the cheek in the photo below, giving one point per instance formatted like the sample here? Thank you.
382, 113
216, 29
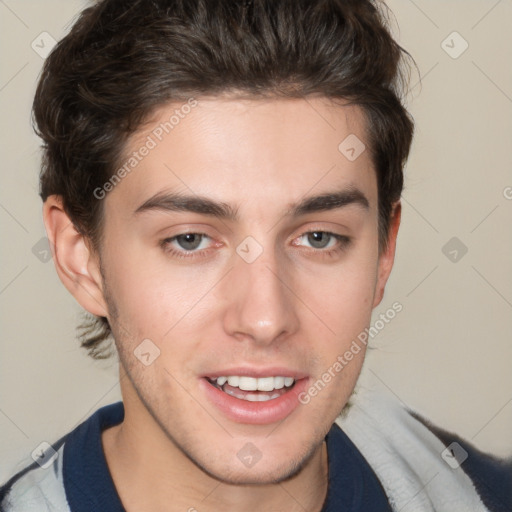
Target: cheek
343, 293
152, 295
344, 305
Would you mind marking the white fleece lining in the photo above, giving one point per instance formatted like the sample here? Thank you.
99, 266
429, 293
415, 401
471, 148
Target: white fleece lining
40, 490
406, 457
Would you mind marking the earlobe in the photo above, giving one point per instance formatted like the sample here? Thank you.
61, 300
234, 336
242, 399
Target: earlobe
387, 258
76, 265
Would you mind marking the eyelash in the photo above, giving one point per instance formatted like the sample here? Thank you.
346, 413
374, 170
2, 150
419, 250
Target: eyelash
342, 245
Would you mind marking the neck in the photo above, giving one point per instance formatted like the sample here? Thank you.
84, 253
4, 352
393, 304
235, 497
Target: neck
151, 473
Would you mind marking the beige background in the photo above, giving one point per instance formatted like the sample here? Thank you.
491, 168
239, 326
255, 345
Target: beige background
448, 354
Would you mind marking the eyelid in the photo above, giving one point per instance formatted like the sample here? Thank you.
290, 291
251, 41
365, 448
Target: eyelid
336, 232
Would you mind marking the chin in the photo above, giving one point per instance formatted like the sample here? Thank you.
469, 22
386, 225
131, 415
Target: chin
277, 468
271, 474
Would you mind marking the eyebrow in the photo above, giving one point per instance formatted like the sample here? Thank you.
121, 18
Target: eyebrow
205, 206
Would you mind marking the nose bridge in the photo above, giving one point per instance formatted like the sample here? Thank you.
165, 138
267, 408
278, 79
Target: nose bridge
260, 305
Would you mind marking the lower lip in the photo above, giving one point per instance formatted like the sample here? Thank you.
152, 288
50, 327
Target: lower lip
256, 413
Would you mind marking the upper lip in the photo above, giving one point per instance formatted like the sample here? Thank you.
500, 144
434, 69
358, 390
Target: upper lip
273, 371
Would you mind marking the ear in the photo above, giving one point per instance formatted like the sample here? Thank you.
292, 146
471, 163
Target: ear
77, 266
387, 257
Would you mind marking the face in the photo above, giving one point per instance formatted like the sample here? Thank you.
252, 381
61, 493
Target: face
231, 291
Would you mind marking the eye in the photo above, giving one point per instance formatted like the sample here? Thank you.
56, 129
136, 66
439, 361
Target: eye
322, 239
325, 241
180, 245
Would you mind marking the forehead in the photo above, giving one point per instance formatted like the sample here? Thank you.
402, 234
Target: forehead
247, 151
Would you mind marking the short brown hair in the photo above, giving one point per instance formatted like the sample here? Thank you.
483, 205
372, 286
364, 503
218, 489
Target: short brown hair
121, 60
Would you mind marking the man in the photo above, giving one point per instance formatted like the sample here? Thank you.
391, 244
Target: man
221, 186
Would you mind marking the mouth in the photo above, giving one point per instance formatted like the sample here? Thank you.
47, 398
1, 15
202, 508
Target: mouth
253, 389
254, 397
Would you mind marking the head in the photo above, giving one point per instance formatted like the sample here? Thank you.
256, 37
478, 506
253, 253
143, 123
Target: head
222, 187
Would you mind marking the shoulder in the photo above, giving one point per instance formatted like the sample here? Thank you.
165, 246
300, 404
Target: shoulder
39, 486
421, 465
491, 475
47, 482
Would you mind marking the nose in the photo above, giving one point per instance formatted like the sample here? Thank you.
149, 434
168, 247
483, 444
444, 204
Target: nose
261, 304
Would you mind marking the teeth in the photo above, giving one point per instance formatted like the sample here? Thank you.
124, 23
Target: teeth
233, 381
261, 398
265, 384
256, 384
252, 397
247, 383
279, 382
